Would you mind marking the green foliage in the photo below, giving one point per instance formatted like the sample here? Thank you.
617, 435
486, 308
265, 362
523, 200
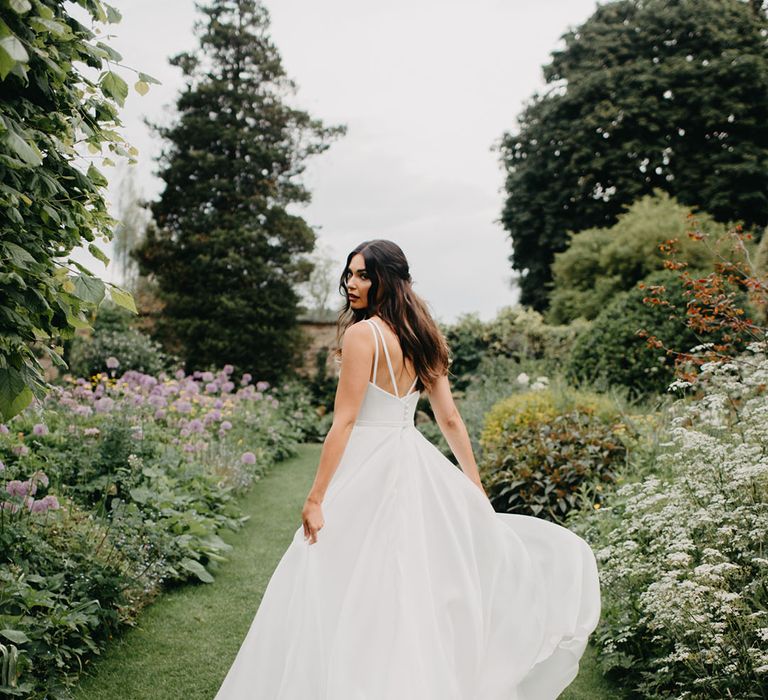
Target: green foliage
143, 471
681, 549
545, 453
131, 348
517, 333
227, 255
645, 94
611, 353
48, 206
601, 262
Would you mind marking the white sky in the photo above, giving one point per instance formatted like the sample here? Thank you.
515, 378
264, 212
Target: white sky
425, 87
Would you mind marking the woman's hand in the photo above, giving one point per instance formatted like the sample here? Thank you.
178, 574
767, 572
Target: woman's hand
312, 517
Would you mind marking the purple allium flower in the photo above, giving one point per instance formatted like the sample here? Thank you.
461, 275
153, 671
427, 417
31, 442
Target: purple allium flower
211, 387
228, 369
248, 458
188, 447
52, 501
20, 450
15, 487
160, 414
218, 403
246, 379
196, 425
39, 506
182, 405
7, 505
4, 430
112, 362
91, 431
262, 386
226, 425
227, 387
40, 476
179, 374
207, 376
104, 404
39, 429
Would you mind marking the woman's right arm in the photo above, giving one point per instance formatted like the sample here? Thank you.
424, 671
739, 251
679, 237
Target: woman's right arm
453, 429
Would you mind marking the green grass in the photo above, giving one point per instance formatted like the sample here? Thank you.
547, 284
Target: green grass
185, 642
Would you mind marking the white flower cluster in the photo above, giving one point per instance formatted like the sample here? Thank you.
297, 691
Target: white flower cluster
682, 554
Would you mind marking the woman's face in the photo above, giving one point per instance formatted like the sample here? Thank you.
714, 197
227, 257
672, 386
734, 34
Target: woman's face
358, 282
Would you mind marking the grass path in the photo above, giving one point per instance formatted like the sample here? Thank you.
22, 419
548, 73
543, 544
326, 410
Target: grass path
185, 641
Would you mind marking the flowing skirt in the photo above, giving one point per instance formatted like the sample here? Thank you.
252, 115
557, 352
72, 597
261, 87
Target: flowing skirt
416, 589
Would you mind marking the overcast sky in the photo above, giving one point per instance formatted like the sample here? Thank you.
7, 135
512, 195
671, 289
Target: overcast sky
425, 87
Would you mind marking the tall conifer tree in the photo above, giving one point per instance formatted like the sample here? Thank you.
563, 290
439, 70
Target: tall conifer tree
225, 252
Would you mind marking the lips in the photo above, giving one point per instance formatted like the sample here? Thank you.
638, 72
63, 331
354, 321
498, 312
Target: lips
352, 297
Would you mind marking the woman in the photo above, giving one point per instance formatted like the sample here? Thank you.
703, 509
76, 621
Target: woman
403, 583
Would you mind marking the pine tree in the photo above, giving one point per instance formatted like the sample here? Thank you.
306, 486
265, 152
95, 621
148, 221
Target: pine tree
226, 254
645, 94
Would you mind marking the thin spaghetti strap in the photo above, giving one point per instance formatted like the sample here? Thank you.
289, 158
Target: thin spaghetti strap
376, 344
386, 355
413, 385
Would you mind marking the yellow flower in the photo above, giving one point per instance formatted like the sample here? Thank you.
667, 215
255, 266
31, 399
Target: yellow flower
597, 506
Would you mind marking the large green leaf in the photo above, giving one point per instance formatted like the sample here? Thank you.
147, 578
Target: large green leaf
198, 569
89, 289
28, 152
123, 298
16, 636
19, 257
15, 396
114, 86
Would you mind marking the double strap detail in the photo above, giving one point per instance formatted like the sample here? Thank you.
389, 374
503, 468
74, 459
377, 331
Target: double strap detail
378, 335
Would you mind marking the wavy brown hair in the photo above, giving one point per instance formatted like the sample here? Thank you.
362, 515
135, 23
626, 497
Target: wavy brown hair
391, 297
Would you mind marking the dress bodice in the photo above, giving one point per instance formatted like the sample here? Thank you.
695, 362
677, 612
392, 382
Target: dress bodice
381, 407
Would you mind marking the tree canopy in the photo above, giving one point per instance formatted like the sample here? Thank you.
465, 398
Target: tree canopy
226, 254
645, 94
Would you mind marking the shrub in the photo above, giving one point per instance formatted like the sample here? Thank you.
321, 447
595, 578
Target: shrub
681, 552
132, 349
599, 263
544, 452
517, 333
611, 352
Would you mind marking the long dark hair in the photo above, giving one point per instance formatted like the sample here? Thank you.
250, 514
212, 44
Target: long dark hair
391, 297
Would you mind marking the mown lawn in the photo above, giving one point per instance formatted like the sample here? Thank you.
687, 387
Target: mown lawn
186, 641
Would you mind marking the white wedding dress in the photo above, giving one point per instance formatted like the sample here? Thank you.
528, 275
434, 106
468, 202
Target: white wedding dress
416, 589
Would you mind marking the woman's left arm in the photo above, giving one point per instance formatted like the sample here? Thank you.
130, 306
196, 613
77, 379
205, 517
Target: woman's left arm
356, 357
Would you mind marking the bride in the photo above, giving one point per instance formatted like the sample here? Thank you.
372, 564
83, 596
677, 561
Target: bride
403, 583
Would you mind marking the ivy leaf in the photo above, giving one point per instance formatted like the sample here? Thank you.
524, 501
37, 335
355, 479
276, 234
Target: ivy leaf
123, 299
113, 14
114, 86
97, 253
18, 255
96, 176
149, 79
89, 289
15, 396
26, 151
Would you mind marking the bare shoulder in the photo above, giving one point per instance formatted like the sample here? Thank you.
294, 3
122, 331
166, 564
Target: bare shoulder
357, 335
